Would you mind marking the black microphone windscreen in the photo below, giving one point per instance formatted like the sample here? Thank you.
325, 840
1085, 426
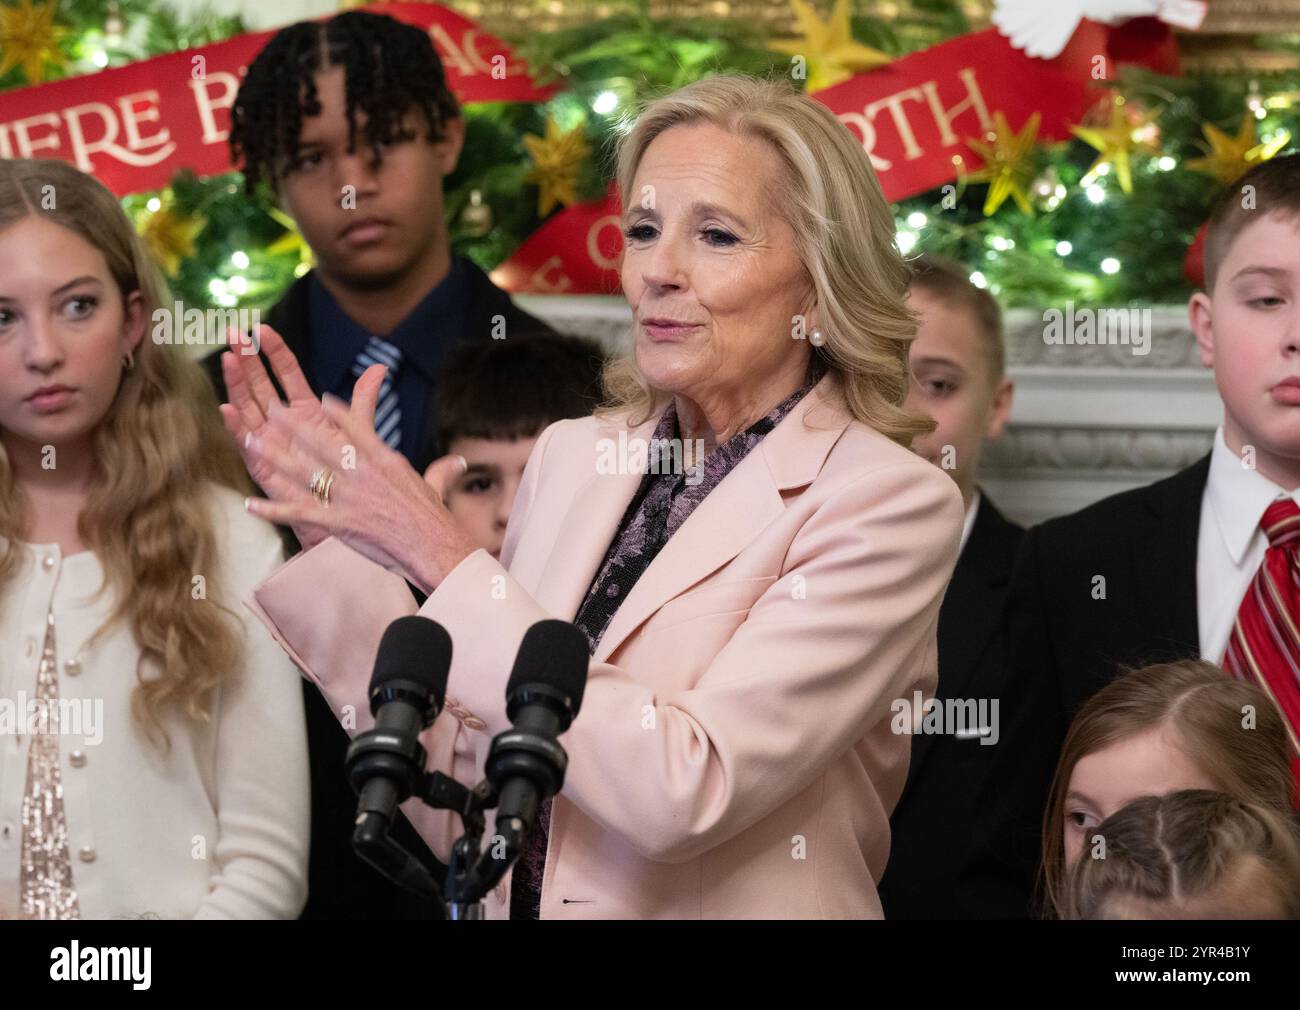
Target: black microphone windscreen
554, 653
417, 649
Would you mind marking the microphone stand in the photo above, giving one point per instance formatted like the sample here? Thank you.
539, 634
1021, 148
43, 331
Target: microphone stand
376, 757
467, 885
471, 873
522, 753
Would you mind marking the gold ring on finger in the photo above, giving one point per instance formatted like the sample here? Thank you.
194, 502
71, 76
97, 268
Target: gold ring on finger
319, 485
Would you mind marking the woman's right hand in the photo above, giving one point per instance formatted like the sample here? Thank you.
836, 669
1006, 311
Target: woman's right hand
251, 395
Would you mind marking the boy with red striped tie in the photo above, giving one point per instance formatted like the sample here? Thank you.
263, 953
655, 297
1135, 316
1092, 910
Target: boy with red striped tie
1205, 563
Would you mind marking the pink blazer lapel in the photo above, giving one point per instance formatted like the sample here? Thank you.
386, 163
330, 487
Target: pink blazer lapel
722, 525
588, 527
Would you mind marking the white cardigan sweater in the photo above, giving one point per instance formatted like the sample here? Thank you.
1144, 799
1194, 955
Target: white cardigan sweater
215, 828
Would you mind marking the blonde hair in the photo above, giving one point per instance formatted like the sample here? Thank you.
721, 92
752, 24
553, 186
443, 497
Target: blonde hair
1206, 709
146, 511
845, 230
1187, 851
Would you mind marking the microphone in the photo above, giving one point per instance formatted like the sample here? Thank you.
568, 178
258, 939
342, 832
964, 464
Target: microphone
526, 762
385, 765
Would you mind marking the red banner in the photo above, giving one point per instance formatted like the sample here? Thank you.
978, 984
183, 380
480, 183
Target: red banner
912, 117
134, 127
574, 253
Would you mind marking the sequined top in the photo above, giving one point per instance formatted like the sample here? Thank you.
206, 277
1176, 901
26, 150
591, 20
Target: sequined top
46, 888
216, 826
667, 495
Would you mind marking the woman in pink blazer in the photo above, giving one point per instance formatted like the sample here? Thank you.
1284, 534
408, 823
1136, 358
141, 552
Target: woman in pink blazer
754, 608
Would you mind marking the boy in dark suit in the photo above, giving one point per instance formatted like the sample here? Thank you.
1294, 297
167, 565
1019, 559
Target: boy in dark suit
351, 122
959, 378
1196, 565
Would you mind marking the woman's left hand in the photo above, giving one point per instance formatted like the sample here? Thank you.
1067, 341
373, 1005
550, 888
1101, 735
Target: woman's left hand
378, 504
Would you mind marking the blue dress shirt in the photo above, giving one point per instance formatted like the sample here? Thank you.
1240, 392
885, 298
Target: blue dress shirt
434, 326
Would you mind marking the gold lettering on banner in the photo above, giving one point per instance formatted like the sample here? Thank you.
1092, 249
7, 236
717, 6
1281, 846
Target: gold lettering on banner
159, 146
593, 244
974, 98
864, 122
894, 104
470, 43
449, 51
465, 55
544, 284
133, 111
867, 131
24, 143
151, 113
81, 149
207, 105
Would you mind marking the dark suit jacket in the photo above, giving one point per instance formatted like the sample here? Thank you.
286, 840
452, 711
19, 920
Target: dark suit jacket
340, 885
289, 317
936, 808
1113, 585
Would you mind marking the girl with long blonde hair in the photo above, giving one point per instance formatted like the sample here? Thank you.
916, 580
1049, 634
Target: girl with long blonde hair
155, 763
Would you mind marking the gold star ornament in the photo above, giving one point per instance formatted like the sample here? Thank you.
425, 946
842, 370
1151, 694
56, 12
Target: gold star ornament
1008, 162
291, 241
169, 236
29, 38
1117, 141
828, 47
557, 161
1229, 157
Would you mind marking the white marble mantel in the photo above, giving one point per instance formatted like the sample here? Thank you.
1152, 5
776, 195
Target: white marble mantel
1088, 420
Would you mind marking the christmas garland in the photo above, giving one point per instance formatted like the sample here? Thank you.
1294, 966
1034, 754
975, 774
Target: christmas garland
1107, 216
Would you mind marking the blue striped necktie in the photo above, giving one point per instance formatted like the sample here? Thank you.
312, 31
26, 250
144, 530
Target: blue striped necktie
388, 412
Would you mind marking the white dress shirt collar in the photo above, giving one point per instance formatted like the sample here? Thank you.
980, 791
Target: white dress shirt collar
1239, 496
969, 524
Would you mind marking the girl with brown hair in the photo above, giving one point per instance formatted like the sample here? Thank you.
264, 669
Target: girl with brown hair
1193, 854
1157, 730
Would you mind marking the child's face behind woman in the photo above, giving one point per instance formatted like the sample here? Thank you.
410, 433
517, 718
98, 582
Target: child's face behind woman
482, 497
64, 332
1146, 764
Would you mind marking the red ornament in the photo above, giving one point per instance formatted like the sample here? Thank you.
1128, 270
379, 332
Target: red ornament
1143, 42
1146, 42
